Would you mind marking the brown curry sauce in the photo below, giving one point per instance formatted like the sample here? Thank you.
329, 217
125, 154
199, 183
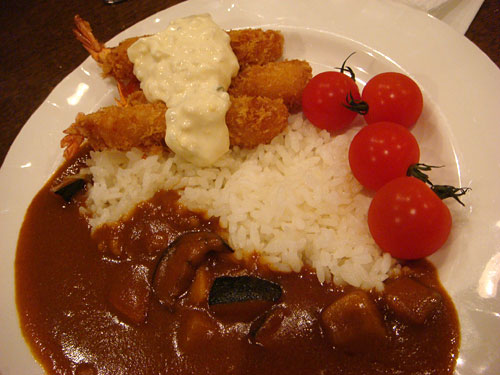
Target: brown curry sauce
64, 280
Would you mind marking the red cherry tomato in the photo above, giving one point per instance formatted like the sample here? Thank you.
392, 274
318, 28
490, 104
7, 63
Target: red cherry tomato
380, 152
324, 99
393, 97
408, 220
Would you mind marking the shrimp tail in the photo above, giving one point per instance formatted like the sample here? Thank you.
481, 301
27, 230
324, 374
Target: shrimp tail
71, 144
83, 33
114, 62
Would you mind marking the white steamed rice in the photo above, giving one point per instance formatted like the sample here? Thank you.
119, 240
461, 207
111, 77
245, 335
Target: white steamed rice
294, 201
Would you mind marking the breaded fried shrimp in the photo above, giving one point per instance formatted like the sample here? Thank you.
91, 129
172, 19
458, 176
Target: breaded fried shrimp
277, 80
251, 121
121, 128
256, 46
251, 46
260, 102
114, 62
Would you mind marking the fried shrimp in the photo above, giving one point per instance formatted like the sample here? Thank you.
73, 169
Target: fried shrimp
122, 128
283, 79
251, 121
260, 101
251, 46
256, 46
114, 62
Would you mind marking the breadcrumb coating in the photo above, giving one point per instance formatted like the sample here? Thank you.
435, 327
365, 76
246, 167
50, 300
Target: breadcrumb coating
277, 80
262, 95
251, 46
256, 46
255, 120
250, 120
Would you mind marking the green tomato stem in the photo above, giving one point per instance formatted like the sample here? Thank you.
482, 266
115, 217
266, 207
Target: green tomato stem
442, 191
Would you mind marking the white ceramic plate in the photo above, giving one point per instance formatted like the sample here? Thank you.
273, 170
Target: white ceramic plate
459, 128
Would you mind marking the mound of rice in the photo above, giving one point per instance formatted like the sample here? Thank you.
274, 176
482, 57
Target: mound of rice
293, 201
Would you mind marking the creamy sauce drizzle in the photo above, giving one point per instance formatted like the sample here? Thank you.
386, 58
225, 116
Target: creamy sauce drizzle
189, 66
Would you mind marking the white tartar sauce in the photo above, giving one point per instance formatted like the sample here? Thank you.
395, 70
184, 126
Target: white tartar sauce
189, 66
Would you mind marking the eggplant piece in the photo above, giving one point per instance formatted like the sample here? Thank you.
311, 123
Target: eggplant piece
268, 330
242, 298
177, 266
353, 323
69, 186
230, 289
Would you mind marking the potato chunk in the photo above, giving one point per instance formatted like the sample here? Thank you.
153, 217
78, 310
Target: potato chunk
410, 300
353, 322
130, 293
196, 329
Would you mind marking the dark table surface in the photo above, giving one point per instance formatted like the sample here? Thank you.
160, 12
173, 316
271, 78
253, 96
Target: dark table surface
39, 50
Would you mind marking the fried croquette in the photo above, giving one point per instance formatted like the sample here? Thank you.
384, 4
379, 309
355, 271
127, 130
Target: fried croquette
277, 80
256, 46
251, 121
255, 120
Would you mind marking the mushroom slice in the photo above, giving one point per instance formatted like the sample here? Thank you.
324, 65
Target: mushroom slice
242, 298
177, 266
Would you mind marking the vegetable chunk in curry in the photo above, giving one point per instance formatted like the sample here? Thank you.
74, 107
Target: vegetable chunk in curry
87, 310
